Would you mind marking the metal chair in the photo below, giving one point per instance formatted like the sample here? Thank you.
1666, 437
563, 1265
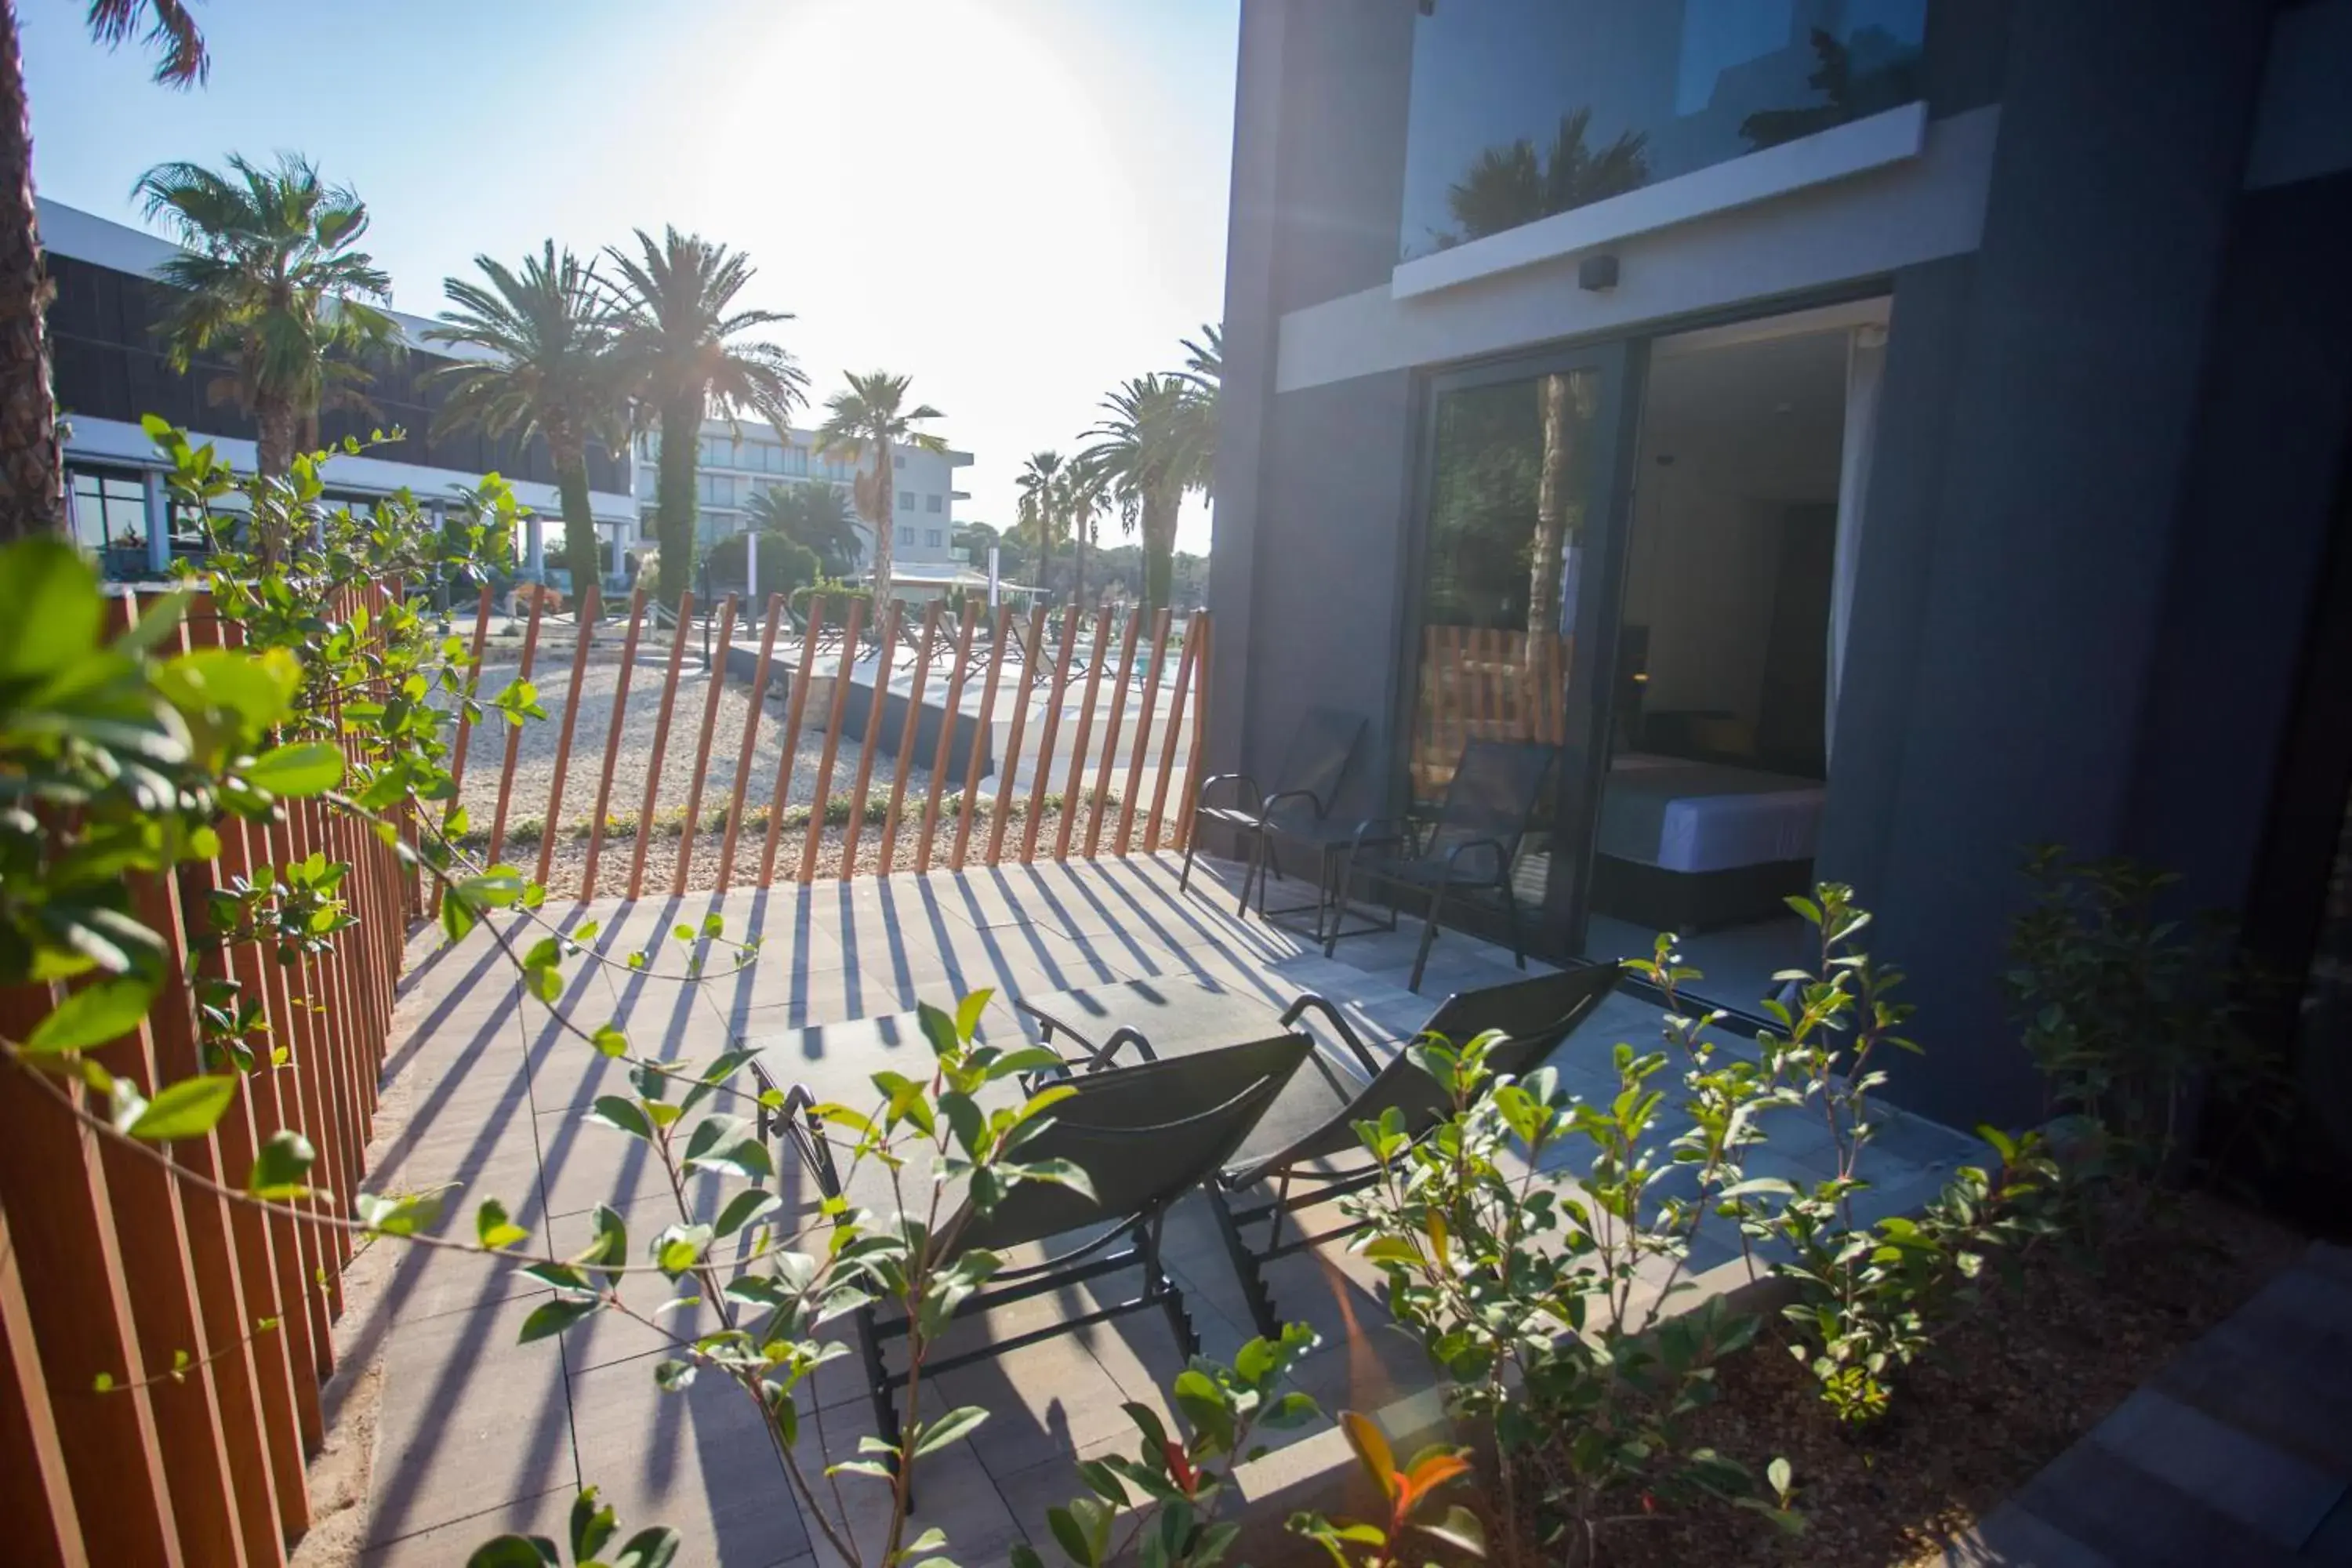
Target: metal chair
1284, 1168
1465, 851
1145, 1136
1306, 786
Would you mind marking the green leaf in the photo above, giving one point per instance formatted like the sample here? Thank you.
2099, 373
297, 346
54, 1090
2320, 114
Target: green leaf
626, 1114
743, 1208
188, 1109
516, 1551
297, 771
1460, 1529
656, 1546
961, 1422
49, 608
492, 1227
610, 1041
404, 1216
279, 1169
591, 1525
554, 1318
96, 1015
968, 1012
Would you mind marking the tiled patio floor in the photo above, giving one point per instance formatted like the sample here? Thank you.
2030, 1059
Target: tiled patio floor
479, 1434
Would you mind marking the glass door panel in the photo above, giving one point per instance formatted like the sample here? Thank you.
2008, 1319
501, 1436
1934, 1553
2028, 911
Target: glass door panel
1518, 485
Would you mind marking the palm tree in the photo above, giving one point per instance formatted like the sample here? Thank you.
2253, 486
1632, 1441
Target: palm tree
32, 468
682, 354
815, 515
1086, 495
269, 276
1041, 507
1510, 185
1159, 442
868, 420
550, 331
1204, 359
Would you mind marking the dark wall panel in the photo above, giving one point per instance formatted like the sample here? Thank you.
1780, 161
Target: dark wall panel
110, 365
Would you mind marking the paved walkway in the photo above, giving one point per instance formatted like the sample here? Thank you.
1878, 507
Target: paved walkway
479, 1434
2239, 1452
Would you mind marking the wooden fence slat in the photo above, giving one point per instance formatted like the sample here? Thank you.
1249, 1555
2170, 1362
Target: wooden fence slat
661, 742
844, 672
1010, 768
465, 720
701, 771
613, 743
751, 739
796, 707
983, 734
1074, 791
1203, 630
514, 737
1151, 827
950, 715
1143, 730
908, 731
1042, 783
877, 706
62, 1228
1110, 733
585, 623
33, 1487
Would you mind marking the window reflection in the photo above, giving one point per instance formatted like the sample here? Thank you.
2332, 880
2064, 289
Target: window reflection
1524, 109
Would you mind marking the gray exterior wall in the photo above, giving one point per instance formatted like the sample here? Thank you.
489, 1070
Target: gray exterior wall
2056, 531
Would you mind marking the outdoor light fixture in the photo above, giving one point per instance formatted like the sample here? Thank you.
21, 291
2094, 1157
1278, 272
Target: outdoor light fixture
1597, 272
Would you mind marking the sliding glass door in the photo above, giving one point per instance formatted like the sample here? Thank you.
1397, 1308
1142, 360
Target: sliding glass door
1522, 529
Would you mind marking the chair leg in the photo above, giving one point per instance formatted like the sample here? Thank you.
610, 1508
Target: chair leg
1156, 1285
1245, 1266
877, 1379
1428, 940
1511, 918
1192, 846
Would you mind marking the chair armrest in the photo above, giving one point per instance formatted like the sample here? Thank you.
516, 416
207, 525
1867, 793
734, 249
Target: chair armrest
1121, 1038
1377, 830
1200, 795
1265, 808
1309, 999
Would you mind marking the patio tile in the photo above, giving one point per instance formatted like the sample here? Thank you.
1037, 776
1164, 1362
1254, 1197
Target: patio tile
2279, 1497
471, 1421
700, 1461
546, 1513
953, 1491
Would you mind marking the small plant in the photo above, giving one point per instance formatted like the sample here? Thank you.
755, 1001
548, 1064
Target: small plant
1411, 1491
593, 1525
1866, 1294
1182, 1481
2136, 1021
1543, 1299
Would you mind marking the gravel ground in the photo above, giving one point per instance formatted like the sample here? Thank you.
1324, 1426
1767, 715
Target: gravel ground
536, 744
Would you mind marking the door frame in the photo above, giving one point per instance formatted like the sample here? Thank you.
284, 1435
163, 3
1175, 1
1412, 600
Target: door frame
1556, 930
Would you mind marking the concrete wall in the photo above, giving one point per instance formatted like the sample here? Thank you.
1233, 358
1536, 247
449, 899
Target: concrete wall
2066, 477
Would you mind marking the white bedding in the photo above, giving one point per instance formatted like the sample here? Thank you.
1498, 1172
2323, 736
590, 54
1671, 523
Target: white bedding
1682, 816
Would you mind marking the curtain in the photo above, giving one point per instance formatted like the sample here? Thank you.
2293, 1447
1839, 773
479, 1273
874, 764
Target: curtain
1866, 366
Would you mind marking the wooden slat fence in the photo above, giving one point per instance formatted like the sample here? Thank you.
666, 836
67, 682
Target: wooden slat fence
1480, 683
210, 1322
1071, 736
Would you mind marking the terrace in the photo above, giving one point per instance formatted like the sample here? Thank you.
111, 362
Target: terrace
478, 1433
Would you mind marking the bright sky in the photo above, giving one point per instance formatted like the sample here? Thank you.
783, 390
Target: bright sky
1018, 203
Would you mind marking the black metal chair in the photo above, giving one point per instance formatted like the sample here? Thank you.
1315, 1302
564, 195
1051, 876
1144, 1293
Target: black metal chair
1286, 1166
1313, 767
1461, 855
1146, 1136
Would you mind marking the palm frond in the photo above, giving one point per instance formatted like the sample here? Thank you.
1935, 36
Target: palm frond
181, 58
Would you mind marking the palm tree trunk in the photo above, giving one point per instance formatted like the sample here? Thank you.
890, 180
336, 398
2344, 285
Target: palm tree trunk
32, 468
580, 552
1159, 509
1551, 508
280, 432
885, 523
681, 458
1078, 583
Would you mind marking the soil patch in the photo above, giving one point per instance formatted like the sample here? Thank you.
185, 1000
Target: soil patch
2007, 1388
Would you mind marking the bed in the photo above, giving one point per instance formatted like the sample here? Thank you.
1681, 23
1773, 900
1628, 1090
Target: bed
1688, 846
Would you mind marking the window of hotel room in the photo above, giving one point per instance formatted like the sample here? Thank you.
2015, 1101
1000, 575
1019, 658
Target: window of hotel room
1523, 109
